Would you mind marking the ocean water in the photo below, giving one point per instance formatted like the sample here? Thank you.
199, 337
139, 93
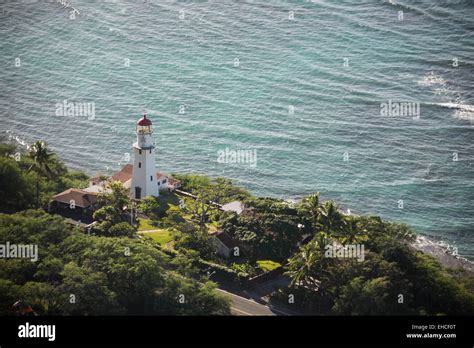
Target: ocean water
299, 82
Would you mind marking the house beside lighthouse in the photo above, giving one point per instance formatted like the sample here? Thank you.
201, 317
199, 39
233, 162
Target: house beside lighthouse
144, 179
141, 178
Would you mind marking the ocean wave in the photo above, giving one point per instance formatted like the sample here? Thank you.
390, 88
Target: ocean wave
462, 107
461, 111
15, 138
431, 79
444, 252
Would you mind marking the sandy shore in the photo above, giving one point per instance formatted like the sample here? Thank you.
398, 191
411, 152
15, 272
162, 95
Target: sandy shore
442, 254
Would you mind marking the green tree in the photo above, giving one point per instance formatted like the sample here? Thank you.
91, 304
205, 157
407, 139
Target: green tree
112, 216
41, 157
16, 187
331, 218
149, 206
107, 213
197, 239
350, 232
116, 196
366, 297
303, 267
7, 150
204, 205
121, 229
188, 297
87, 292
44, 298
310, 206
10, 293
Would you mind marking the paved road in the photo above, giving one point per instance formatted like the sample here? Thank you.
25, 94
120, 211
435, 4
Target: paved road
244, 306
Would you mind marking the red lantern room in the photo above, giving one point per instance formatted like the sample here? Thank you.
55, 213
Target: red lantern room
144, 125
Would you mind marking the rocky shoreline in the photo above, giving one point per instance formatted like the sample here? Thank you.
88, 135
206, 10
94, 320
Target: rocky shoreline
442, 254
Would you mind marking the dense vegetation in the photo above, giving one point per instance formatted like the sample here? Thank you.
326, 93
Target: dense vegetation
218, 190
392, 278
110, 270
81, 274
268, 230
113, 214
30, 179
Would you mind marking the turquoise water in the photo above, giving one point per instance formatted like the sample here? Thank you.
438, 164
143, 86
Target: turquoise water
244, 75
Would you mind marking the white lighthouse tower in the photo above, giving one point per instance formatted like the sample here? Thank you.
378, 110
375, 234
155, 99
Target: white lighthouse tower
144, 179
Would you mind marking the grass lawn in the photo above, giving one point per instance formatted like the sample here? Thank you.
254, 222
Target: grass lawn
160, 236
145, 224
267, 265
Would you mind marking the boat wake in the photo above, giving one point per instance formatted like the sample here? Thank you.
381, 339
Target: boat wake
462, 107
461, 111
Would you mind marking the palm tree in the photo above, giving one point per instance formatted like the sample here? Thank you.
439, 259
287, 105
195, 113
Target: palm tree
350, 232
41, 157
321, 240
310, 263
331, 218
311, 204
302, 266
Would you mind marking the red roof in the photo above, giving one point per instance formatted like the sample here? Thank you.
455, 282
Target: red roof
144, 121
125, 174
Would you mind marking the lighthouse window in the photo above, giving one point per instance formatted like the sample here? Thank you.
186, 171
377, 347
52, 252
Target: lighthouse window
150, 150
151, 177
139, 152
139, 164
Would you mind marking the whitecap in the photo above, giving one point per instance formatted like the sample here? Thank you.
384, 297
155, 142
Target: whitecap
462, 111
444, 252
431, 79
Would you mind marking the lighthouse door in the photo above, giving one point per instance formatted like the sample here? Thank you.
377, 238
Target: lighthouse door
138, 192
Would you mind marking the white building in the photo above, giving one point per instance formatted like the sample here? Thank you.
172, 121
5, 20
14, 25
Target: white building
144, 178
235, 206
141, 178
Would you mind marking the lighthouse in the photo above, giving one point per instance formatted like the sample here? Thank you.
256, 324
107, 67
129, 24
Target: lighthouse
144, 178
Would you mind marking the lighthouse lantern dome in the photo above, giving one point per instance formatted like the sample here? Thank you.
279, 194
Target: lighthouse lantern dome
144, 125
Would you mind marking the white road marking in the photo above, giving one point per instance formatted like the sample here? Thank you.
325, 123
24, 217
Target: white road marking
241, 311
